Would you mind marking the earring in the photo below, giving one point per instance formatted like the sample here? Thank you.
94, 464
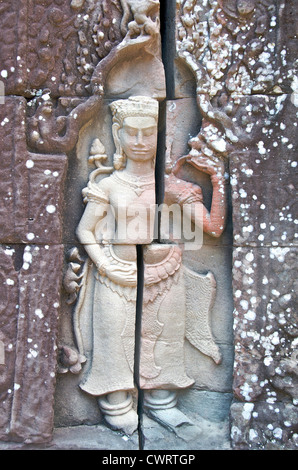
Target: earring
118, 161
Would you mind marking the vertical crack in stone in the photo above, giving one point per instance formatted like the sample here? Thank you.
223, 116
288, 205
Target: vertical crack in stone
167, 32
168, 47
138, 327
160, 165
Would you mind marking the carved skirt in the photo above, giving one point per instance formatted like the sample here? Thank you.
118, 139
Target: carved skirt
105, 325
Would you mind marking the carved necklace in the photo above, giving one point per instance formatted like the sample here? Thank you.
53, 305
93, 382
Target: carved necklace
137, 183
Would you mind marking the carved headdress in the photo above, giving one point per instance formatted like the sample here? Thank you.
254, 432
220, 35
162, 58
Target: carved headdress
142, 106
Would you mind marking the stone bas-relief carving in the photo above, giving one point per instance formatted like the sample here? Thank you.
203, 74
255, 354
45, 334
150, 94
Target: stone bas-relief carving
176, 301
60, 62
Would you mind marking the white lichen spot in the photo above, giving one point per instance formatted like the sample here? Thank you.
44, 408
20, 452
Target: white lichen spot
247, 410
10, 282
29, 164
30, 236
279, 253
39, 313
261, 148
244, 304
245, 391
252, 434
248, 228
249, 257
238, 294
268, 360
46, 96
294, 95
250, 315
277, 433
27, 256
5, 121
242, 193
9, 251
33, 353
51, 209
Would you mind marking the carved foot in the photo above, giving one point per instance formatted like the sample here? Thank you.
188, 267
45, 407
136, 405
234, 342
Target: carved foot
161, 407
118, 412
127, 423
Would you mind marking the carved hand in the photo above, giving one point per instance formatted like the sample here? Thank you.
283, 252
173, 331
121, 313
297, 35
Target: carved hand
125, 276
207, 165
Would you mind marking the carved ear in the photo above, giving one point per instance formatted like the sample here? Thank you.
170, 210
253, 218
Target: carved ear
115, 131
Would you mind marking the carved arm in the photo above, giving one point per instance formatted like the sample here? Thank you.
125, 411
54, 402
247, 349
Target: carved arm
86, 233
213, 222
123, 275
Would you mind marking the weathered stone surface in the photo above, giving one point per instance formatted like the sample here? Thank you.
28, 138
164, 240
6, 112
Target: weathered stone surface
263, 175
55, 45
31, 207
32, 184
241, 54
14, 190
46, 176
264, 425
8, 333
263, 179
235, 67
266, 333
241, 57
29, 330
245, 48
265, 316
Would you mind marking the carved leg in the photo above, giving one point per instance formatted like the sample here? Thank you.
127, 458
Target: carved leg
160, 399
161, 406
118, 412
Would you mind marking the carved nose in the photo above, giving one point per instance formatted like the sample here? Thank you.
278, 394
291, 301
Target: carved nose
139, 139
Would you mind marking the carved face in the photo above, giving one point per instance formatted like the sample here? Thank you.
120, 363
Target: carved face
138, 138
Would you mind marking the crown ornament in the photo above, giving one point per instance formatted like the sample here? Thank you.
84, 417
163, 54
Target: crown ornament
142, 106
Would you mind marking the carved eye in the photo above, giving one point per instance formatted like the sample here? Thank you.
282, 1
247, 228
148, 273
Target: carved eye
131, 131
148, 132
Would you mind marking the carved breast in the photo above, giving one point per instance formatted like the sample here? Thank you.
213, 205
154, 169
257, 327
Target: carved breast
134, 208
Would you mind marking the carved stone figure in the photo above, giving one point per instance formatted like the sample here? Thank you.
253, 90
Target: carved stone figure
176, 301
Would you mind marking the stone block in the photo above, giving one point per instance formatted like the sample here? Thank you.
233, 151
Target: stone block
34, 345
243, 50
9, 294
14, 188
264, 426
46, 176
264, 281
263, 176
213, 406
32, 184
44, 45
